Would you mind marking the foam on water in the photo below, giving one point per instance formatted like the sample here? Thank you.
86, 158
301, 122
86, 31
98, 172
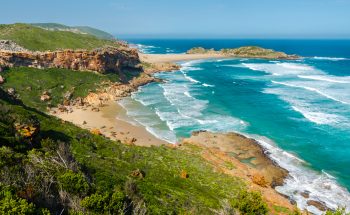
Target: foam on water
281, 69
312, 90
322, 187
208, 85
332, 79
330, 58
319, 117
175, 105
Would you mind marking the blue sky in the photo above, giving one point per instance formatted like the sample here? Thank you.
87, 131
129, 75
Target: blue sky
192, 19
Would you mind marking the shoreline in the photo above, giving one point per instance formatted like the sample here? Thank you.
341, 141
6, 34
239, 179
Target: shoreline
245, 159
110, 121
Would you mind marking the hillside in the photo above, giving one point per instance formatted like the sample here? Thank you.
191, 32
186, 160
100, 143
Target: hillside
48, 164
76, 29
38, 39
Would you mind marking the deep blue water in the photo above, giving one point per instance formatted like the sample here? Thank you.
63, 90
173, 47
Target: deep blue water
307, 48
299, 110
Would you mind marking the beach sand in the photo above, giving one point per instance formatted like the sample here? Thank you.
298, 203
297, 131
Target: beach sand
164, 58
111, 121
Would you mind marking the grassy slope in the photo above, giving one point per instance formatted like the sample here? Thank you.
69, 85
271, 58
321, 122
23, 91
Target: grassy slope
30, 83
85, 29
38, 39
110, 163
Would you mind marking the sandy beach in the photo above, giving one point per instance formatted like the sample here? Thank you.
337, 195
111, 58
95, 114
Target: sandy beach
111, 121
164, 58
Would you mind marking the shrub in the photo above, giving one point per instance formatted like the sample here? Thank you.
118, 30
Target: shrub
250, 203
74, 183
339, 211
11, 204
107, 202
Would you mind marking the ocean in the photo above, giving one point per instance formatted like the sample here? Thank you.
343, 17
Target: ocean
298, 110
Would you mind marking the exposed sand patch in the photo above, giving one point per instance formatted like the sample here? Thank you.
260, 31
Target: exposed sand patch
105, 120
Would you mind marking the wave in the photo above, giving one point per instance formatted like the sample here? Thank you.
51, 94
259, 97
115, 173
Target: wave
318, 117
188, 94
330, 58
279, 69
208, 85
191, 79
146, 49
147, 120
332, 79
321, 186
310, 89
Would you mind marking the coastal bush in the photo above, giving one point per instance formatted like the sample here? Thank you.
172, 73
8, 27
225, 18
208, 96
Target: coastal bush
250, 203
30, 83
74, 183
339, 211
112, 203
11, 204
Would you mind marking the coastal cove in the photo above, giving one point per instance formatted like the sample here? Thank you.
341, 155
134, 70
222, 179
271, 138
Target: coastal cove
218, 105
175, 107
272, 82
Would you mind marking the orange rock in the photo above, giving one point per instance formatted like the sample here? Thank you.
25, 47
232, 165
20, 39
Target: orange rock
184, 174
259, 180
96, 131
100, 60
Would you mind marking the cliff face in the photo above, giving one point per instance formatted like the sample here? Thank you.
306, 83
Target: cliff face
100, 60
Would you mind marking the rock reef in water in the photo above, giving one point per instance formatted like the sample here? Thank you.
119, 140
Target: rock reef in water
245, 52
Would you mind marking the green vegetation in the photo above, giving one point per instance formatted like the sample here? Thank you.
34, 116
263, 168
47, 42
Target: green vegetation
245, 51
78, 29
200, 50
47, 163
339, 211
30, 84
38, 39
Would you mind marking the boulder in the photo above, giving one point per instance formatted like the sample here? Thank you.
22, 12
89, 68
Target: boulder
259, 180
319, 205
95, 131
2, 80
45, 96
138, 174
11, 91
184, 174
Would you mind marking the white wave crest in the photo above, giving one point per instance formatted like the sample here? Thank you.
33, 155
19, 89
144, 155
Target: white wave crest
318, 117
310, 89
332, 79
330, 58
208, 85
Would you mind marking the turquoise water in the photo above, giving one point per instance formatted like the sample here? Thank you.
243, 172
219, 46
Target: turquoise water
298, 110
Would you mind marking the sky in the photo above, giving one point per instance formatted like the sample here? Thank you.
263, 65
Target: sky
191, 19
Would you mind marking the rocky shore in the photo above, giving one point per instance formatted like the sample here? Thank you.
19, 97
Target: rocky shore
239, 156
245, 52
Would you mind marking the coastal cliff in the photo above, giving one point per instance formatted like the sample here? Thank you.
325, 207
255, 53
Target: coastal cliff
109, 59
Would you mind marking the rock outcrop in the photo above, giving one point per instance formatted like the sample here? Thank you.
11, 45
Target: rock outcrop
109, 59
245, 52
7, 45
